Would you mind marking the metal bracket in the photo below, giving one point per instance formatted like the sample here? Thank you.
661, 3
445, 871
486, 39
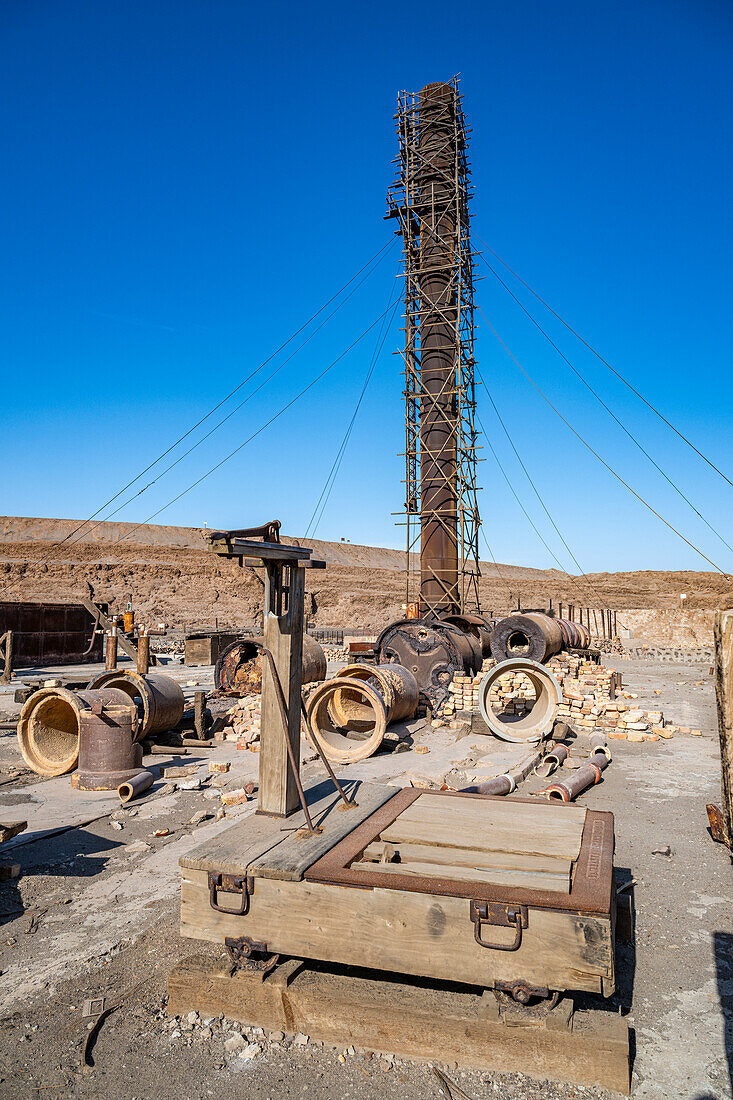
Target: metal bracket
247, 954
522, 992
243, 885
499, 916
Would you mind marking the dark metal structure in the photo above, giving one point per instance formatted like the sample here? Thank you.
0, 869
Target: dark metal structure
430, 199
51, 633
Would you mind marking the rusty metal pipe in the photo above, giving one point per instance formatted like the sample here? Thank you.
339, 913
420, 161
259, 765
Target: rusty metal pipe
396, 684
50, 724
108, 752
143, 655
585, 777
238, 670
439, 592
537, 636
159, 698
110, 650
131, 788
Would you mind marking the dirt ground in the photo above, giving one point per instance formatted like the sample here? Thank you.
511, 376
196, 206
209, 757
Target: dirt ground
170, 576
89, 917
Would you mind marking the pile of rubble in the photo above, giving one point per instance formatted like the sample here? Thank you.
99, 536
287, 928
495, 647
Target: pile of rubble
336, 652
592, 699
241, 723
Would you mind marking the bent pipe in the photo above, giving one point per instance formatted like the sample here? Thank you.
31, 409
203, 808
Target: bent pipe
134, 786
158, 698
244, 650
50, 724
585, 777
536, 636
539, 721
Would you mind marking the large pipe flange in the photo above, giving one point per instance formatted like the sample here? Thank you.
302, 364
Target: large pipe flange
539, 721
433, 651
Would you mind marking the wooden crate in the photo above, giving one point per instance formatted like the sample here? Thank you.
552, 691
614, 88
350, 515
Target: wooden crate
339, 897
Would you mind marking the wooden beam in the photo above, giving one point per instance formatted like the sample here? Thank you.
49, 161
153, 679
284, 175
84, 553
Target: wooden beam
721, 818
411, 1019
283, 631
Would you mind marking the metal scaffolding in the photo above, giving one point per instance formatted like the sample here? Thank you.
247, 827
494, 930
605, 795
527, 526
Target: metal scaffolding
430, 199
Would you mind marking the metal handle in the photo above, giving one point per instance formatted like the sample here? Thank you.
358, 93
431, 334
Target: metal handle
504, 916
229, 884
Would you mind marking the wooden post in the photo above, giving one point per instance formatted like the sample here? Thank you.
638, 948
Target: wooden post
721, 817
283, 631
595, 622
7, 639
199, 714
110, 653
615, 629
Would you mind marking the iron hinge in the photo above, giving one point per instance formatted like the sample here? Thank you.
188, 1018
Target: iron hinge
499, 916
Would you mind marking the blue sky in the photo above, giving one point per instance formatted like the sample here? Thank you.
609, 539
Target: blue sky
186, 182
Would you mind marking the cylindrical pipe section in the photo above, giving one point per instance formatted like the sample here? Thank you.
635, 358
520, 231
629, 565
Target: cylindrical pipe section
50, 723
539, 720
238, 670
347, 718
110, 651
537, 636
108, 752
476, 625
131, 788
556, 755
505, 784
598, 744
158, 698
396, 684
587, 776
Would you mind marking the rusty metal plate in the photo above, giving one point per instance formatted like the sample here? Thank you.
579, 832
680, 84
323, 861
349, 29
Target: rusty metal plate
591, 891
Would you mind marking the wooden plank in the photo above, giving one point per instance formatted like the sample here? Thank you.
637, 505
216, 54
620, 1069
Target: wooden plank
407, 933
468, 857
293, 856
529, 880
454, 835
498, 817
410, 1020
495, 810
236, 850
723, 634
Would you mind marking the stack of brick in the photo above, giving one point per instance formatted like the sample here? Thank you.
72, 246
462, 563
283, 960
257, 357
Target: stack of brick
336, 653
592, 699
242, 722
